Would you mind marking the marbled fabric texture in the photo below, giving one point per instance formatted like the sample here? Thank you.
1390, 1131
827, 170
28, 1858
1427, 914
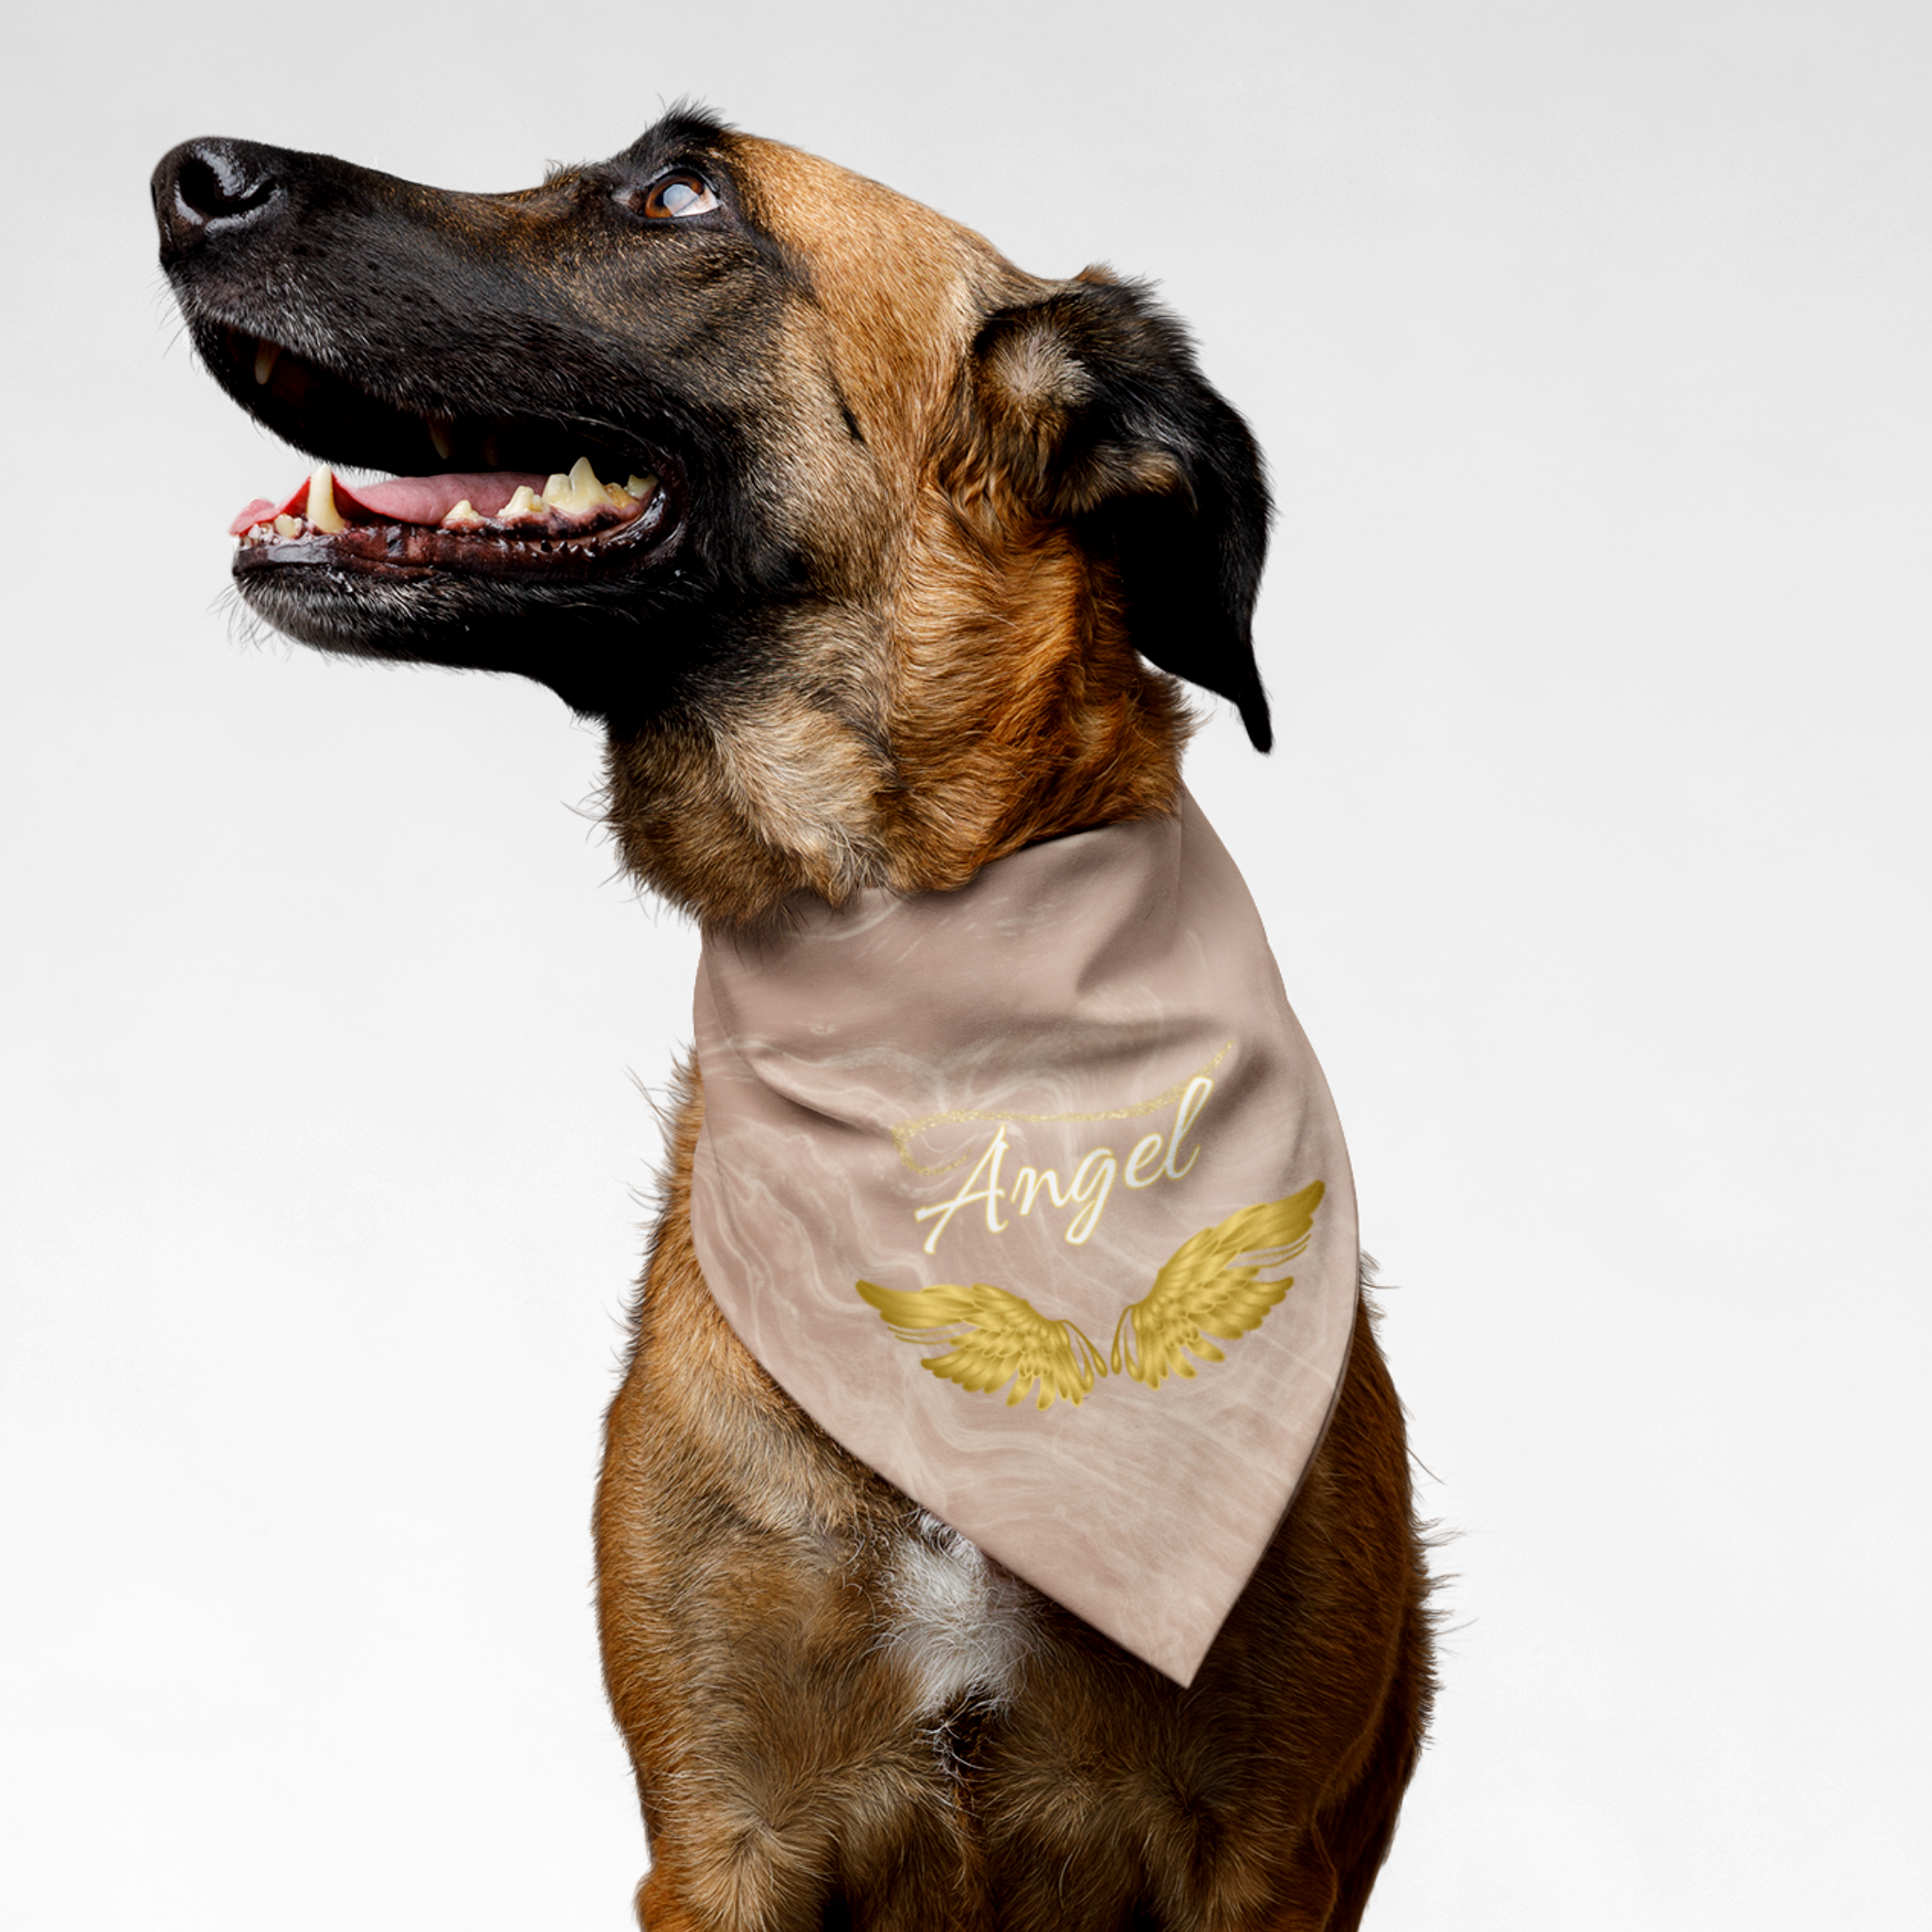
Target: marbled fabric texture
886, 1089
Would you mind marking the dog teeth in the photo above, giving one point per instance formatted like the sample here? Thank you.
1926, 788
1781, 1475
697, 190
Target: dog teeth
439, 439
322, 503
265, 353
629, 493
586, 493
576, 493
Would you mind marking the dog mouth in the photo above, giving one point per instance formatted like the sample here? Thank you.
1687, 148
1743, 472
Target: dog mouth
494, 521
494, 512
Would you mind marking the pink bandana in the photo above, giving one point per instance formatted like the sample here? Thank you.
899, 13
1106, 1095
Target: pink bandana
1033, 1196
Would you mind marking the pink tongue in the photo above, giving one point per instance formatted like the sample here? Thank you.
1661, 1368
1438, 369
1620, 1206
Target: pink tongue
406, 500
429, 499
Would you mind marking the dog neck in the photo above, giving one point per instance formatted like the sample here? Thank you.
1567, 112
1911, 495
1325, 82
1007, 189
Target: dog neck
1005, 707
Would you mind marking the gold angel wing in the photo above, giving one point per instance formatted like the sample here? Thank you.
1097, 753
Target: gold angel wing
997, 1337
1199, 1292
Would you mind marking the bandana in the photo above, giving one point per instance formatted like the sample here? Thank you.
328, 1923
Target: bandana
1033, 1197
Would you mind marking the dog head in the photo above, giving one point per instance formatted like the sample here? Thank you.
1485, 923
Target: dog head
859, 541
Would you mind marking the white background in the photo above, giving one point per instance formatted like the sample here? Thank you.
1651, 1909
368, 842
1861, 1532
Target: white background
1590, 346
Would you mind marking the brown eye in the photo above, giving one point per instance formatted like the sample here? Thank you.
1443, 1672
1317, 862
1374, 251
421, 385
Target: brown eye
678, 194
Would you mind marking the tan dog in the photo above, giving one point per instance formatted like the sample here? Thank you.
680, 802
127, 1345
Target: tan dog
899, 534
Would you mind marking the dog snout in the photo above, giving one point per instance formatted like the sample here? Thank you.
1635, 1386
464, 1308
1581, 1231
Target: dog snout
214, 186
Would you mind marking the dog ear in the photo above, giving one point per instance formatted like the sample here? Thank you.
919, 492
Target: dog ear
1087, 407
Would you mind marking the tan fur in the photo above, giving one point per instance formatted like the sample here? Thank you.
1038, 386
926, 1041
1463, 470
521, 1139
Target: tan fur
975, 691
972, 689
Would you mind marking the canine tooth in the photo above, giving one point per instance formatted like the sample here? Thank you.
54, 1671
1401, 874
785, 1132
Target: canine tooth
577, 492
288, 526
322, 503
265, 353
465, 512
586, 493
440, 440
523, 504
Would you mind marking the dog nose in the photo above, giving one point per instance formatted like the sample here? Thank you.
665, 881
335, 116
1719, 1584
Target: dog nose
213, 186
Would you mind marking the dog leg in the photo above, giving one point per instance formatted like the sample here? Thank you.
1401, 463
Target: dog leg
753, 1581
758, 1876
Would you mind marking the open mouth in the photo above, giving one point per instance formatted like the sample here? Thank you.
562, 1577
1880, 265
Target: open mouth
493, 512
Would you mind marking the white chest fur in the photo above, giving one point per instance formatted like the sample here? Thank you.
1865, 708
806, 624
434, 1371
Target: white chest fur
960, 1624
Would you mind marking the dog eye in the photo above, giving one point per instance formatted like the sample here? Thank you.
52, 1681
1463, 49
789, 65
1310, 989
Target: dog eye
675, 196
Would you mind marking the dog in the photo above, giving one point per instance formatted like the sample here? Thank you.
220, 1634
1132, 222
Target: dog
879, 561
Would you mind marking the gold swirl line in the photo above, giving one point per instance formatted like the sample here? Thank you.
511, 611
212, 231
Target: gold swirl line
908, 1131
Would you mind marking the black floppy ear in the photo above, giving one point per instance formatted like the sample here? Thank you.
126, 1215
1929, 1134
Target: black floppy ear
1090, 408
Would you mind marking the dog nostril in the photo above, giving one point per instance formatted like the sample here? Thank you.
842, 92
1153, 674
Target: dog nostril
214, 183
211, 182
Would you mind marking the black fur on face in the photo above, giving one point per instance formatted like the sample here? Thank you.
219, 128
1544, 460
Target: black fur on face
530, 329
